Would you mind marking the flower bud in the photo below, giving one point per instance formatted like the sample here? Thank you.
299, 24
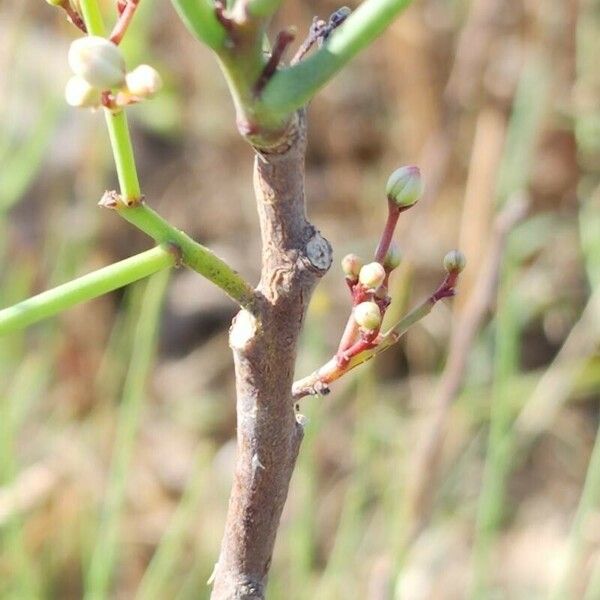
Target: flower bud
144, 81
372, 275
392, 258
81, 94
367, 315
351, 266
405, 186
454, 261
56, 2
98, 61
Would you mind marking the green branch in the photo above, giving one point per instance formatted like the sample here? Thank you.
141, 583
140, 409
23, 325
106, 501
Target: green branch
292, 88
120, 142
85, 288
199, 17
194, 255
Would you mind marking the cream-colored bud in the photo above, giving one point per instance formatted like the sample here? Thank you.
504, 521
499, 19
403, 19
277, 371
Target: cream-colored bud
351, 265
98, 61
367, 315
405, 186
454, 261
81, 94
372, 275
144, 81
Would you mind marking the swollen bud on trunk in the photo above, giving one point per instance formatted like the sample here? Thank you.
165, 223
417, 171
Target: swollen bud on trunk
404, 187
97, 61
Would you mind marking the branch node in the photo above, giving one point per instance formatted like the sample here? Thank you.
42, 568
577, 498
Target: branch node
110, 199
319, 253
176, 251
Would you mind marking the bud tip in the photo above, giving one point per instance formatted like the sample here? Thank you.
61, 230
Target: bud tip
405, 186
454, 261
372, 275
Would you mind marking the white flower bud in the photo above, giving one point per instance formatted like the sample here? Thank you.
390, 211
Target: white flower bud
405, 186
98, 61
144, 81
81, 94
367, 315
372, 275
454, 261
351, 265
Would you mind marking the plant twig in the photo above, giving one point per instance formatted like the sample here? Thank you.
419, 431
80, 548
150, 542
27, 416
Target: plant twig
131, 207
85, 288
283, 40
293, 87
125, 18
317, 383
191, 254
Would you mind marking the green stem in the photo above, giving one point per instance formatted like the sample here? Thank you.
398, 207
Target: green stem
85, 288
199, 17
291, 88
120, 142
92, 17
194, 255
106, 552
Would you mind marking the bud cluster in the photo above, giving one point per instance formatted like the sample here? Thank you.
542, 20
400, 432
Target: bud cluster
368, 282
99, 68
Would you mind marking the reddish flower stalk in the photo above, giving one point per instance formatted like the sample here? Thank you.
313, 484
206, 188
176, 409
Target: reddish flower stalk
388, 232
124, 20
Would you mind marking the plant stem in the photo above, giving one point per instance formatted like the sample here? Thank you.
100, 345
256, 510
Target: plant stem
199, 17
388, 233
194, 255
120, 141
293, 87
319, 380
92, 17
84, 288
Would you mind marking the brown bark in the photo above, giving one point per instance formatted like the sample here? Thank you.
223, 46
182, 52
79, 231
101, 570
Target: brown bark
264, 344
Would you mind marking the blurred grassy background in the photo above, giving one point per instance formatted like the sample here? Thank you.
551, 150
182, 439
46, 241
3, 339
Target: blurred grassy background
431, 473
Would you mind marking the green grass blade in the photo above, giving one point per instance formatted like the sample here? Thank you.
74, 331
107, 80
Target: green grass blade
105, 555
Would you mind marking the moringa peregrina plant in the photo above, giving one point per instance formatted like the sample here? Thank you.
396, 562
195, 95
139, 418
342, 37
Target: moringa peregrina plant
270, 97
